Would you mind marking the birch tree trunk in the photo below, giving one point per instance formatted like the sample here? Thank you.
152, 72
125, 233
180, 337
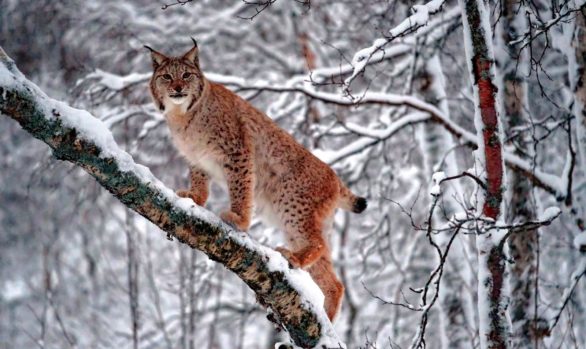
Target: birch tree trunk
579, 86
132, 275
182, 295
579, 83
192, 297
523, 247
492, 297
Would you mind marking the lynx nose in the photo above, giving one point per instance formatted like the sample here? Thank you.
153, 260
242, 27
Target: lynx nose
178, 88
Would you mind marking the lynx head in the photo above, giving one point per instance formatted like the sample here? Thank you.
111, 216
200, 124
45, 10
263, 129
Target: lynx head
176, 81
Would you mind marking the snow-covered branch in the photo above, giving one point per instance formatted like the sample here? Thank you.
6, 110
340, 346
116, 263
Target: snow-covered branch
542, 27
76, 136
419, 19
294, 85
426, 112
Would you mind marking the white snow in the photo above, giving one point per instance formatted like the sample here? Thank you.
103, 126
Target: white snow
332, 156
436, 180
6, 77
9, 75
13, 290
435, 190
118, 82
460, 216
416, 21
580, 241
419, 18
300, 279
549, 213
551, 180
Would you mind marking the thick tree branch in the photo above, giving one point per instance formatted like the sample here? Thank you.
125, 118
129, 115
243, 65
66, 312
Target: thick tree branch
78, 137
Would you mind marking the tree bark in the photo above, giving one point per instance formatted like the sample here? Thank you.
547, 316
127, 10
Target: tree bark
259, 267
579, 44
579, 86
523, 246
492, 300
132, 274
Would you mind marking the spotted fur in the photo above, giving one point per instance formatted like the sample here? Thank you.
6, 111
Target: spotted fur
224, 138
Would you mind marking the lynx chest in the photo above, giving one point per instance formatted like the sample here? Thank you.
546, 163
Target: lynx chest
192, 142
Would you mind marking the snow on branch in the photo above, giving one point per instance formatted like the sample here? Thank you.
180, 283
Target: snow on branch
294, 301
540, 27
434, 30
294, 85
418, 19
425, 112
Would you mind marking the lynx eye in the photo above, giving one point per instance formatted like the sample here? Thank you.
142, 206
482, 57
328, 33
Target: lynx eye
166, 76
186, 75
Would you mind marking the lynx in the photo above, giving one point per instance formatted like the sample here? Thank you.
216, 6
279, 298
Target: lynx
227, 140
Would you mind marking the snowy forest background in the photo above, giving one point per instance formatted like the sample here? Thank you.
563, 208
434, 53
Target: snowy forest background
79, 270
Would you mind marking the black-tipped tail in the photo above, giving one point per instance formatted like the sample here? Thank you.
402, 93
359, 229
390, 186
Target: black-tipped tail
360, 205
350, 202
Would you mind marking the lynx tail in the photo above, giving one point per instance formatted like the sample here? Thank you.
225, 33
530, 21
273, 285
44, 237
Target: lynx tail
350, 202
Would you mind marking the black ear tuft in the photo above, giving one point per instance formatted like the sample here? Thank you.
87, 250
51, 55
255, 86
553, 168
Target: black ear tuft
157, 57
193, 54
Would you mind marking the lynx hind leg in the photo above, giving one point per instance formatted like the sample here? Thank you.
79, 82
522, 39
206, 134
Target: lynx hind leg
306, 241
322, 272
304, 220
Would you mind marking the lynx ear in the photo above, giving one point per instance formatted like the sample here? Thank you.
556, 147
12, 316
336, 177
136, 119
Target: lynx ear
157, 57
193, 54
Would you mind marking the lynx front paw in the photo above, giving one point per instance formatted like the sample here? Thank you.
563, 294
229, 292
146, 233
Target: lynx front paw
184, 194
234, 220
289, 256
198, 199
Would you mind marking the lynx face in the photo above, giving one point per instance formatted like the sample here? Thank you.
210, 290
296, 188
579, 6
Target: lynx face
176, 81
